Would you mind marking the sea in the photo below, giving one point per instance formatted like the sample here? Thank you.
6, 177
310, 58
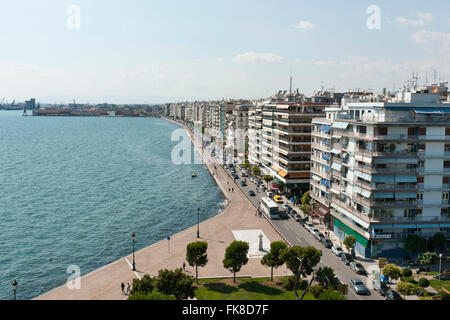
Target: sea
74, 189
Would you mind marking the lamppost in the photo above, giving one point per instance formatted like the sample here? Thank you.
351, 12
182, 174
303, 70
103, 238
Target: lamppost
427, 244
198, 222
133, 238
440, 264
14, 285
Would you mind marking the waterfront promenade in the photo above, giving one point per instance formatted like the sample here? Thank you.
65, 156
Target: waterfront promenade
104, 283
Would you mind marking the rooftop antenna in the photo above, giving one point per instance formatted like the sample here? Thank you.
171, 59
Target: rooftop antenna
290, 84
435, 75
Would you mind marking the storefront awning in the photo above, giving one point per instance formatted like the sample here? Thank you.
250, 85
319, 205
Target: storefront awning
406, 179
282, 173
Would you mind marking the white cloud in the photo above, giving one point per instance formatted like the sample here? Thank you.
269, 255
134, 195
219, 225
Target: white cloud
424, 36
304, 25
220, 60
258, 57
425, 19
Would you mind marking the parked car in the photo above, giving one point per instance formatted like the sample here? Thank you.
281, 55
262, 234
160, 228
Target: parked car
278, 199
297, 218
244, 174
320, 236
357, 267
337, 250
269, 193
262, 187
251, 193
358, 286
315, 233
309, 226
380, 287
327, 243
347, 258
243, 183
393, 295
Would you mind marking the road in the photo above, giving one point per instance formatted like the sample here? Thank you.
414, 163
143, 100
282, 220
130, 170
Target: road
296, 234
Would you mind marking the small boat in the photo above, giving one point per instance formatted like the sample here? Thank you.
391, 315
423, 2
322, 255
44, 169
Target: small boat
194, 175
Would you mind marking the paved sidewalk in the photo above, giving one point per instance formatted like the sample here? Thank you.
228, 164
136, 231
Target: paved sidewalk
105, 282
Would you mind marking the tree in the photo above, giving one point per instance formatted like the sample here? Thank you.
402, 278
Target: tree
316, 290
406, 272
306, 198
196, 255
301, 261
280, 185
176, 283
235, 257
245, 163
414, 243
272, 259
143, 286
424, 282
392, 271
331, 294
405, 288
349, 242
429, 258
267, 178
256, 171
326, 278
439, 241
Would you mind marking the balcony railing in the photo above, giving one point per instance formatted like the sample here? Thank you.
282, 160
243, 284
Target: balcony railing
395, 204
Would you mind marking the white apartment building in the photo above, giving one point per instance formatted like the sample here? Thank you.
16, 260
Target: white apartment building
381, 168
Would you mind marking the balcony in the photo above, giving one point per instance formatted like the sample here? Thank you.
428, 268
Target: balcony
369, 153
415, 219
404, 204
321, 146
349, 223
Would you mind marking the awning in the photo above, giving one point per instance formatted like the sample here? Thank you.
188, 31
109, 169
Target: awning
282, 173
340, 125
350, 216
335, 136
383, 195
383, 179
431, 110
336, 151
395, 160
363, 175
402, 195
445, 225
317, 178
406, 179
336, 166
365, 193
428, 226
335, 191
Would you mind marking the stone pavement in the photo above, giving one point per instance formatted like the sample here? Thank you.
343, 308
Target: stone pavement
104, 283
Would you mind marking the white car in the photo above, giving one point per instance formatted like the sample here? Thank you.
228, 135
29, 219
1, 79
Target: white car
337, 250
269, 193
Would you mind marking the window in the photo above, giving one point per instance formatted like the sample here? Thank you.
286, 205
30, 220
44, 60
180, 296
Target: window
444, 211
411, 131
419, 179
444, 195
446, 164
447, 147
421, 164
420, 196
447, 131
445, 180
362, 129
421, 147
422, 131
383, 131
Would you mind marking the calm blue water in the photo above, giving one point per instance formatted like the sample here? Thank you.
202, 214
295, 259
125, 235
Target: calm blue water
73, 189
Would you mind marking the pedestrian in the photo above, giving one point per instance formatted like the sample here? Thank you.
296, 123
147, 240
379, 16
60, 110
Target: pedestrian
128, 288
184, 266
232, 189
123, 287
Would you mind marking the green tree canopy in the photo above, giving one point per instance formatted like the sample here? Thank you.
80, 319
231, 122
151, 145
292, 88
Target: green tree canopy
349, 242
429, 258
143, 286
280, 185
256, 171
267, 178
439, 241
235, 257
414, 243
392, 271
151, 296
196, 255
272, 259
326, 277
306, 198
331, 294
176, 283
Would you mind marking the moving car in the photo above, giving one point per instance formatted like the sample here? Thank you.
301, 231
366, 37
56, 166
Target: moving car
278, 199
393, 295
283, 214
251, 193
358, 286
347, 258
327, 243
357, 267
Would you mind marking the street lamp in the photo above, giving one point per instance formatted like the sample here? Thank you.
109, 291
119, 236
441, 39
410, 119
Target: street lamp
427, 244
440, 264
133, 238
198, 222
14, 285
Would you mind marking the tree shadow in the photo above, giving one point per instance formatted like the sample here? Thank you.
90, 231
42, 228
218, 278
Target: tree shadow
259, 288
220, 287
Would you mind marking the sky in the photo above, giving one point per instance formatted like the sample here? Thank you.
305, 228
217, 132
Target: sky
144, 51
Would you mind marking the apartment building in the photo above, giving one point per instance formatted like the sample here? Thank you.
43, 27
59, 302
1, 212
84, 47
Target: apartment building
381, 168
